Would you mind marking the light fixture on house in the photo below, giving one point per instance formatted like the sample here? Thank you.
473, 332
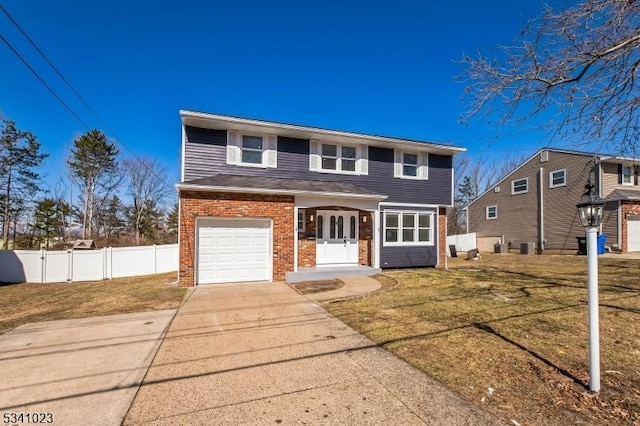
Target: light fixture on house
310, 218
591, 210
364, 219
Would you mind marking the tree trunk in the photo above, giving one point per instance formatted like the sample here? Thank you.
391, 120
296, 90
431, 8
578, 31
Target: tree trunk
7, 220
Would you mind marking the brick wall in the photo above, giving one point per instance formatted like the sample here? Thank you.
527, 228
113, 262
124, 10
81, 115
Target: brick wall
442, 238
628, 208
365, 239
278, 208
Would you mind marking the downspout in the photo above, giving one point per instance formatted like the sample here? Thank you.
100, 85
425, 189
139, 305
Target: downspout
541, 211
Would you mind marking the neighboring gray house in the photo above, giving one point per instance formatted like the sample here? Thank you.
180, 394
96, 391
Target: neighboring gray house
536, 202
262, 200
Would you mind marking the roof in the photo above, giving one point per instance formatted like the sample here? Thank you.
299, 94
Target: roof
623, 195
216, 121
269, 185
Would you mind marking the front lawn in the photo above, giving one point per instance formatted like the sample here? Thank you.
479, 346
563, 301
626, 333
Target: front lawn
24, 303
509, 332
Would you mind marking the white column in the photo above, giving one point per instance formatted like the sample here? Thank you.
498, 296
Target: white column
376, 238
594, 329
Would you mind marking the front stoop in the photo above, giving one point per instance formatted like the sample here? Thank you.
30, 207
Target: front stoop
329, 273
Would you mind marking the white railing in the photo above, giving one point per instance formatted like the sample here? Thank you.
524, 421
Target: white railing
463, 242
42, 266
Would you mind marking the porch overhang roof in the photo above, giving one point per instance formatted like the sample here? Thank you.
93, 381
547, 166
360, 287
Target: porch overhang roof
278, 186
624, 195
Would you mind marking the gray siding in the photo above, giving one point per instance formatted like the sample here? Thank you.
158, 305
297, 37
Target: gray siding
519, 216
407, 256
205, 155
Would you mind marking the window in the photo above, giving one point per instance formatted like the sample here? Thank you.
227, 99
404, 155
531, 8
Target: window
492, 212
411, 165
408, 228
319, 227
519, 186
301, 220
557, 178
251, 150
338, 157
627, 175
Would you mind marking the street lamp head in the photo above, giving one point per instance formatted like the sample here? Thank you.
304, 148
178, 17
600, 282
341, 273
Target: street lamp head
591, 207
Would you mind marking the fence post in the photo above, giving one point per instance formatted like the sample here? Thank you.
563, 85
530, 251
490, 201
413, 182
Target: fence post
69, 265
155, 259
110, 262
43, 266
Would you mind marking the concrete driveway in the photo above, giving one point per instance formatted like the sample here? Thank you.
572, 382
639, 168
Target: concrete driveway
264, 354
83, 371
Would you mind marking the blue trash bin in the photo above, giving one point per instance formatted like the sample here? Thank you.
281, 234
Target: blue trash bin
602, 240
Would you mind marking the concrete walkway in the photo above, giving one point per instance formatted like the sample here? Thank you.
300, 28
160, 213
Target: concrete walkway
354, 286
82, 371
264, 354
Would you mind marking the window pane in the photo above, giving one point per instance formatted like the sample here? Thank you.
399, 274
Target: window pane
348, 165
392, 220
348, 152
329, 163
340, 227
424, 220
300, 220
391, 236
254, 157
320, 227
627, 173
410, 159
252, 142
330, 150
352, 227
408, 220
409, 171
520, 185
424, 235
332, 227
407, 235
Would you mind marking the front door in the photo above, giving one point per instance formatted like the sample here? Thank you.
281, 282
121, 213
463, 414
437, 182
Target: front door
336, 238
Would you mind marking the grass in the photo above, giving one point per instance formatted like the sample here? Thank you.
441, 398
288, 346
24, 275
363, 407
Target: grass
309, 287
510, 334
24, 303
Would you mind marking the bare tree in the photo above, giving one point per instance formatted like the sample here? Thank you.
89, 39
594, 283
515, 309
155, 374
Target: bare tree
580, 66
147, 188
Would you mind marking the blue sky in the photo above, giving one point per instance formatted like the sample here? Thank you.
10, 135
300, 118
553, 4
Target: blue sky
376, 67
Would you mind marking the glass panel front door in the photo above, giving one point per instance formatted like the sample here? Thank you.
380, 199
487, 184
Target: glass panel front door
337, 242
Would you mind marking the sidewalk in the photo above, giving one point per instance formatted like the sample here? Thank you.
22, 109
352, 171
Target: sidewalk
263, 354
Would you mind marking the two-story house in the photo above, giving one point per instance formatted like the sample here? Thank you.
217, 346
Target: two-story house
262, 200
536, 202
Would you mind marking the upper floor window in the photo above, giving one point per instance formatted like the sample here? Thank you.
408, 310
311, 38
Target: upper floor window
492, 212
557, 178
411, 165
627, 175
408, 228
251, 150
519, 186
338, 158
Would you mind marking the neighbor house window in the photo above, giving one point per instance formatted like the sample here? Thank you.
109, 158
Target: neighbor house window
492, 212
411, 165
338, 157
251, 150
558, 178
519, 186
627, 175
301, 220
408, 228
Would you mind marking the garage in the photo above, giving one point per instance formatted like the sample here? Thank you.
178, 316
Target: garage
233, 250
633, 233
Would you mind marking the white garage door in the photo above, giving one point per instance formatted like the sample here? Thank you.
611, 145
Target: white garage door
233, 250
633, 233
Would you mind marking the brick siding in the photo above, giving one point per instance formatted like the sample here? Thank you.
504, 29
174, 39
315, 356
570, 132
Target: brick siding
442, 238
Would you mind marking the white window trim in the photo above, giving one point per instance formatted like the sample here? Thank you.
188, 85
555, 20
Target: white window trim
631, 176
304, 220
361, 159
487, 216
513, 182
564, 181
269, 150
423, 165
416, 243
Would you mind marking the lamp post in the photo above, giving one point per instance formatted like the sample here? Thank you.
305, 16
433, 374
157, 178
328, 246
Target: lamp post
590, 210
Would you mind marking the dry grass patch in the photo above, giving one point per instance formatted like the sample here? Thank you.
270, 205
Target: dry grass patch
309, 287
510, 333
25, 303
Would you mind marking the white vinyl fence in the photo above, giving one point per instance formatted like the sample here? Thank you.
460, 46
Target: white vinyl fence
42, 266
463, 242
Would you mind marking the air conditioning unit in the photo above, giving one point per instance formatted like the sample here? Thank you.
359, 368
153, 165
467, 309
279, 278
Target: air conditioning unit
527, 248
